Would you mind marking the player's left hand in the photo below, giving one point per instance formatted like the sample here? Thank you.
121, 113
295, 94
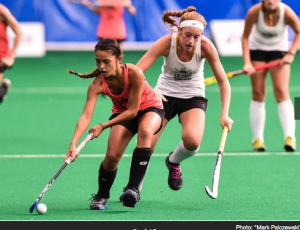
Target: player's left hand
287, 59
97, 129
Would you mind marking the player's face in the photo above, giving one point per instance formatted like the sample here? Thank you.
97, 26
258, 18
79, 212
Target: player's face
106, 62
270, 4
189, 37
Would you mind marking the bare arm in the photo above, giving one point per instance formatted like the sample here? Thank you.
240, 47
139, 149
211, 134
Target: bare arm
251, 18
91, 6
84, 119
10, 20
136, 79
209, 52
291, 19
160, 48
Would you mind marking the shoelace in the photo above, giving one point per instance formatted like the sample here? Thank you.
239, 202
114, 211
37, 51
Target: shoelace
137, 194
175, 172
95, 197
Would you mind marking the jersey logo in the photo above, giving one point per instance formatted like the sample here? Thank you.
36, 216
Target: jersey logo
182, 74
268, 35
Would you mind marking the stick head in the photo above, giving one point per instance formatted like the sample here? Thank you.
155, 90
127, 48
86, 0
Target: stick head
33, 206
211, 194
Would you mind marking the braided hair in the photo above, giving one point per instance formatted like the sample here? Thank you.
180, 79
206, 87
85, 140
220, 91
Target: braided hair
106, 44
189, 13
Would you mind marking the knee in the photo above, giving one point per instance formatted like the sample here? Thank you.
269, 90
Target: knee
258, 95
145, 132
281, 95
191, 144
111, 161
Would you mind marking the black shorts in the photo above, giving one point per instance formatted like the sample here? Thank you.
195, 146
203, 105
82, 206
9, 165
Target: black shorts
3, 68
132, 124
175, 106
266, 56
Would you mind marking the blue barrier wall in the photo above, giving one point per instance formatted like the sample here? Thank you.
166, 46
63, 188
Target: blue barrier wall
66, 22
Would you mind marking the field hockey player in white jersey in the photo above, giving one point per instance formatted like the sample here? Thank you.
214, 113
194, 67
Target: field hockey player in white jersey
181, 84
265, 39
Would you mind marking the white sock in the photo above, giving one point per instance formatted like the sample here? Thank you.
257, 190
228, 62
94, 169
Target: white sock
257, 119
286, 117
181, 153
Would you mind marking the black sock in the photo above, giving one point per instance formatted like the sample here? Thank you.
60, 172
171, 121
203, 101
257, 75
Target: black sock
105, 181
139, 165
3, 90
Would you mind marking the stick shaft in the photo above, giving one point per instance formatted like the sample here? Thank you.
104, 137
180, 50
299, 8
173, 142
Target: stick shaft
211, 80
82, 144
223, 139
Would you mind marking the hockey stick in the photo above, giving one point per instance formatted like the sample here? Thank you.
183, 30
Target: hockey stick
215, 184
211, 80
82, 144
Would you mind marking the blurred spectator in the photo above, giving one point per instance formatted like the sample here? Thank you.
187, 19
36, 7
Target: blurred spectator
111, 22
7, 55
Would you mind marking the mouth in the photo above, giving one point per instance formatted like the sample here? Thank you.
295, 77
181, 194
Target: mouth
189, 46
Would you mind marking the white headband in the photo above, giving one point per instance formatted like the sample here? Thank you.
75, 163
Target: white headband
188, 23
192, 23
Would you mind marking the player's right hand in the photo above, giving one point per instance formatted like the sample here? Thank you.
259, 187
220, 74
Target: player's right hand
161, 97
71, 153
248, 68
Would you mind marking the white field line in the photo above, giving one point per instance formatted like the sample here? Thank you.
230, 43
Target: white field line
83, 90
158, 155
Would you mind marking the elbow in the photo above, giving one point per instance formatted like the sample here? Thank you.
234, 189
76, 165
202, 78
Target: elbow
132, 113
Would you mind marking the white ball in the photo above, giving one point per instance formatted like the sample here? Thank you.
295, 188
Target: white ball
41, 208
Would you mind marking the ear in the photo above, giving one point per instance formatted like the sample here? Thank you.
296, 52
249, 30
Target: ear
119, 58
179, 30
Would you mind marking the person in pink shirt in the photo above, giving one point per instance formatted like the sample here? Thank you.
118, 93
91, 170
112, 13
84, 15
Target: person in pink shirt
136, 110
7, 55
111, 23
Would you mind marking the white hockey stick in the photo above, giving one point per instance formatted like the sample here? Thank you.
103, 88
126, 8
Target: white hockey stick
215, 184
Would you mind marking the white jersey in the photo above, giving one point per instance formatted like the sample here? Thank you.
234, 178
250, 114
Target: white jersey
182, 79
263, 37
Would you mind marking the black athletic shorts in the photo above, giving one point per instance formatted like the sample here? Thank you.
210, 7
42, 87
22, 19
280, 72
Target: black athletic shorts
266, 56
175, 106
3, 68
132, 124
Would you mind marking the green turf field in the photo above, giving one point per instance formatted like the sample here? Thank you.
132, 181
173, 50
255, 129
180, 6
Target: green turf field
38, 119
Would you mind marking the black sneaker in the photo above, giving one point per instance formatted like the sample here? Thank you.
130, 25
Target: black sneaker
175, 175
130, 196
98, 203
124, 189
4, 88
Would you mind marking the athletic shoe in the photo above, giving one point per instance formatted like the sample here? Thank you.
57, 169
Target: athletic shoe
4, 88
175, 175
130, 196
290, 144
124, 190
98, 203
258, 146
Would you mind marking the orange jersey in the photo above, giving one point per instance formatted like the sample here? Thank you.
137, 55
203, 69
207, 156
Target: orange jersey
112, 23
120, 102
4, 42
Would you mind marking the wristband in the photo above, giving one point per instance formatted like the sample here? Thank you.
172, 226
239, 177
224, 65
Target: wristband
102, 126
289, 52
